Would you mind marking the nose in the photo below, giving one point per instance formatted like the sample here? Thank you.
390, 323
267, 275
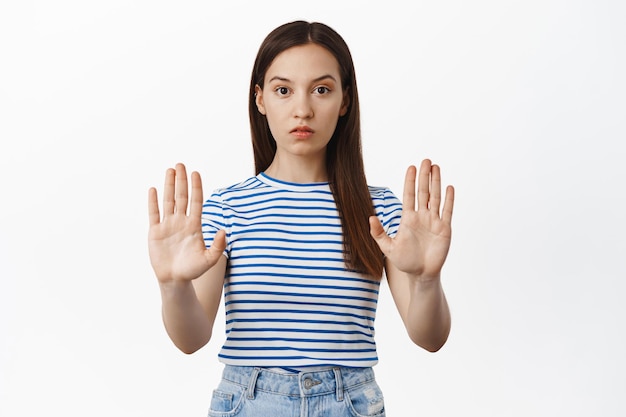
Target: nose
303, 108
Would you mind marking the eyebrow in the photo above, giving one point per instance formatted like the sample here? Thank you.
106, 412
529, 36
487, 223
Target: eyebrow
318, 79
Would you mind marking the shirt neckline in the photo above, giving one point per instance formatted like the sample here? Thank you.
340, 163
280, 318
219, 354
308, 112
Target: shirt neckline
293, 186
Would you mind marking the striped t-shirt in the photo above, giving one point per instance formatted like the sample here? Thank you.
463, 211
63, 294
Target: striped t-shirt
290, 300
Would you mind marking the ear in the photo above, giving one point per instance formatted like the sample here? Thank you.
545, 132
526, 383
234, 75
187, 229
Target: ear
345, 104
258, 98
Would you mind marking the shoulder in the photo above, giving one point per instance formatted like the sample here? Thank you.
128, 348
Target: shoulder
247, 184
381, 194
378, 191
388, 208
384, 200
241, 188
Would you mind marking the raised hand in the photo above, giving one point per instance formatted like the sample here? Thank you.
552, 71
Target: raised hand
421, 245
176, 247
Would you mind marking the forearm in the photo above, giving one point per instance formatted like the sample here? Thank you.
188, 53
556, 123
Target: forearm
186, 322
428, 315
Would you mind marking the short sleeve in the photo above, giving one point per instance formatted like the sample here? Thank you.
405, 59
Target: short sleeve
388, 208
213, 219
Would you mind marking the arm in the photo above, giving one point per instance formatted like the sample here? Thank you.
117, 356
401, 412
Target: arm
415, 257
190, 276
189, 307
422, 305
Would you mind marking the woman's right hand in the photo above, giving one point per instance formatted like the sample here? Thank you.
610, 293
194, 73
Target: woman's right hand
176, 246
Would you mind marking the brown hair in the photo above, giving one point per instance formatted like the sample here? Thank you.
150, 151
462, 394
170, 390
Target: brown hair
344, 160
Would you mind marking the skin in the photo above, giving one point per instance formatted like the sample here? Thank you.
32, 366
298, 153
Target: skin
302, 90
190, 276
416, 255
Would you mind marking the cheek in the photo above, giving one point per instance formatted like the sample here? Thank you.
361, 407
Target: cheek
332, 115
274, 123
275, 111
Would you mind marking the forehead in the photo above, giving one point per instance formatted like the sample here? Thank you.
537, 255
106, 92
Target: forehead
304, 62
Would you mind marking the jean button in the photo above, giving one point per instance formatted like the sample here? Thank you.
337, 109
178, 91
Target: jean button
310, 383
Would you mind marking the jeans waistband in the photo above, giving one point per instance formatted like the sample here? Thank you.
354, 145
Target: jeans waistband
304, 383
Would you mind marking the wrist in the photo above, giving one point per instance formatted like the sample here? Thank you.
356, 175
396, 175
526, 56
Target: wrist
426, 282
172, 288
425, 278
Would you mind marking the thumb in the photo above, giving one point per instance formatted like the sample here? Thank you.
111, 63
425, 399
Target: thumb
218, 246
379, 234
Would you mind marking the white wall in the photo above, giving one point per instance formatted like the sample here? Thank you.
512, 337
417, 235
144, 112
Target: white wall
521, 102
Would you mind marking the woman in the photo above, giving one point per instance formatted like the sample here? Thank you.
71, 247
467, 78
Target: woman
300, 248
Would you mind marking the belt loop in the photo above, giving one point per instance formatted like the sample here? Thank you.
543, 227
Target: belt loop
252, 384
338, 384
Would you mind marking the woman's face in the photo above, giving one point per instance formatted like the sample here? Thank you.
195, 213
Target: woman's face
302, 98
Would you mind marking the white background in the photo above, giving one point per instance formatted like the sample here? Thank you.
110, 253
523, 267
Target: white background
522, 103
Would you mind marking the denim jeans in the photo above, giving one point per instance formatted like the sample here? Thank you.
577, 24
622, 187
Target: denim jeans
329, 392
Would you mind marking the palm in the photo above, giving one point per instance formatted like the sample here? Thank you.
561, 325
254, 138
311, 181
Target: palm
421, 245
175, 243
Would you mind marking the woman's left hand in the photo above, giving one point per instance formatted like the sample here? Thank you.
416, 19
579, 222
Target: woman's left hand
421, 245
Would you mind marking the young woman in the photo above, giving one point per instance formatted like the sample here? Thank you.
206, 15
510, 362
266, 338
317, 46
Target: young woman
300, 248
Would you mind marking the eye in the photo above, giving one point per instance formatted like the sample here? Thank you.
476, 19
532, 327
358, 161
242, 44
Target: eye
321, 90
282, 91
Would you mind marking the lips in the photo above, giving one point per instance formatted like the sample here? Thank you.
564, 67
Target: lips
302, 129
302, 132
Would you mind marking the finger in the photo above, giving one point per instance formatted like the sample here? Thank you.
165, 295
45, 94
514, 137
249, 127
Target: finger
153, 207
181, 189
435, 189
168, 192
195, 209
380, 236
448, 205
217, 247
408, 199
219, 241
423, 192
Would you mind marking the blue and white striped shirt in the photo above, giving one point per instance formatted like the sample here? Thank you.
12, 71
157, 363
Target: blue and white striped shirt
290, 300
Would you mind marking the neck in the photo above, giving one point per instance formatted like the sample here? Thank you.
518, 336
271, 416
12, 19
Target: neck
298, 170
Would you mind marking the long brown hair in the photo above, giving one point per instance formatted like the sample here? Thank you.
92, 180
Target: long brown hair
344, 160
